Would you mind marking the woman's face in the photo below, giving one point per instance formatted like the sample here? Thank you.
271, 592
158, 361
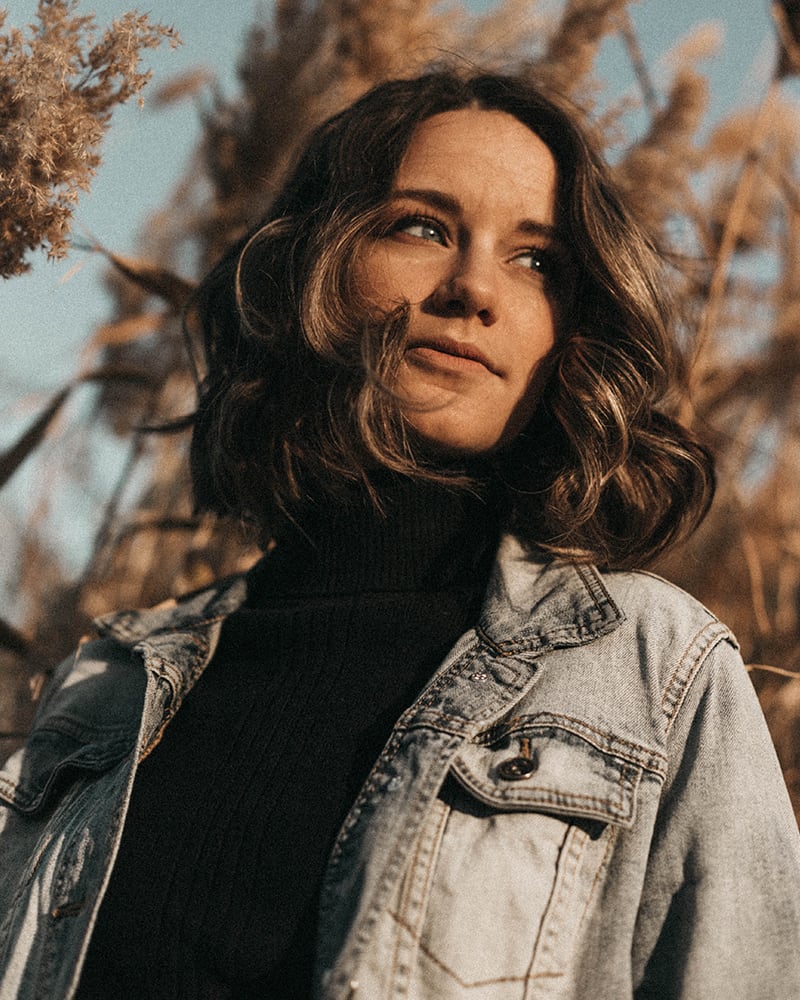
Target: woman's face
469, 247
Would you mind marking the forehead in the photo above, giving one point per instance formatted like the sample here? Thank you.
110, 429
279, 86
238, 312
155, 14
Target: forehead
474, 151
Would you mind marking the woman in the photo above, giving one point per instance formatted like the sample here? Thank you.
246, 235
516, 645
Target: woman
424, 748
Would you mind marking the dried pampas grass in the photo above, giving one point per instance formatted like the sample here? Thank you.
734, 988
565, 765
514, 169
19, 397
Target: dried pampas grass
58, 88
725, 206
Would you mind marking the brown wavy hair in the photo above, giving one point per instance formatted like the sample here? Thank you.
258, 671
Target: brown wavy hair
297, 402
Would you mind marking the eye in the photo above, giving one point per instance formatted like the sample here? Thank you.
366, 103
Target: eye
421, 228
536, 259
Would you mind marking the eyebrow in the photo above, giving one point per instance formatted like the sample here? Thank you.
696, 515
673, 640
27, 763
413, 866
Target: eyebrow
447, 203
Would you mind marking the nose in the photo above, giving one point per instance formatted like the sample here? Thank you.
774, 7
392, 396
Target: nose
468, 289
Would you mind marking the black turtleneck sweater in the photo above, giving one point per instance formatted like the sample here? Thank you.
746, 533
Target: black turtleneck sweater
233, 815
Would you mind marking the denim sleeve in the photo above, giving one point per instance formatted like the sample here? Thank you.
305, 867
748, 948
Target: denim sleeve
721, 910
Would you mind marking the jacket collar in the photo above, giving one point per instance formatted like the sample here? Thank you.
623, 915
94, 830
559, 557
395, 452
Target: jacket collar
531, 603
535, 604
195, 611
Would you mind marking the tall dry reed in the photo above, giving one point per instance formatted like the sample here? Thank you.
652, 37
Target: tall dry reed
725, 204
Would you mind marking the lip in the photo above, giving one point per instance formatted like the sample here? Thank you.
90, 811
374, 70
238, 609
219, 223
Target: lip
439, 349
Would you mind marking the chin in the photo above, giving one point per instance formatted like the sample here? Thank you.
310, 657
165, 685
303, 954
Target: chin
463, 435
454, 445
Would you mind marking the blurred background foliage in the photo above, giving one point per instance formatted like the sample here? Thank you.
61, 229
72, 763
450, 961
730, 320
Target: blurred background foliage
725, 202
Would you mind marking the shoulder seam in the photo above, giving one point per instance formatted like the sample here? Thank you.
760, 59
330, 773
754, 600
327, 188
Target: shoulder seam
688, 666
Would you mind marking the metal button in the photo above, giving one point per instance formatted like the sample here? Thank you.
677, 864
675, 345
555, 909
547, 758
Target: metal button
516, 768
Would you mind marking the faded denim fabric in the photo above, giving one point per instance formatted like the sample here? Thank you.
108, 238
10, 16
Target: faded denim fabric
583, 802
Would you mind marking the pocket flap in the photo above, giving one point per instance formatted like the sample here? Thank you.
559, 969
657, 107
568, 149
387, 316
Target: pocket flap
48, 760
550, 763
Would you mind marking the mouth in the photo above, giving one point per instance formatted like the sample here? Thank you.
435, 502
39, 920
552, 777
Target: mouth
444, 351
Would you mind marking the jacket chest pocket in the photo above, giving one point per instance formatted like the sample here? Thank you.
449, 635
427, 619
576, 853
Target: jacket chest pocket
506, 871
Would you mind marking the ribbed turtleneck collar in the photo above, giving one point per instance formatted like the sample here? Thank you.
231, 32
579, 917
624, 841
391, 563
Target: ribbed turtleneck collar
428, 538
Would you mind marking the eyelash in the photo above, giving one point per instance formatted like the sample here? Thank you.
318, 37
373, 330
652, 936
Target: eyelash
544, 257
418, 219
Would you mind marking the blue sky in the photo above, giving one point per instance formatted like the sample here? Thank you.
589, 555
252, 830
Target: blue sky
48, 315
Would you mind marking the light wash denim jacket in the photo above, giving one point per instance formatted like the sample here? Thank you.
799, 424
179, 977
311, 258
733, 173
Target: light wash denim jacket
583, 803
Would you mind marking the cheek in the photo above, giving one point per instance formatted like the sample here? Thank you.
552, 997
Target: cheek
389, 279
534, 365
536, 342
376, 280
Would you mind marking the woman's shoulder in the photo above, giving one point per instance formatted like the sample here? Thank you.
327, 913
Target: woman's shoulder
678, 631
658, 604
107, 670
92, 708
679, 645
573, 602
190, 611
608, 631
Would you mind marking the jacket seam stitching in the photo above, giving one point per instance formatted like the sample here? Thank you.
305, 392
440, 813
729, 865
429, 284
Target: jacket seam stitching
687, 669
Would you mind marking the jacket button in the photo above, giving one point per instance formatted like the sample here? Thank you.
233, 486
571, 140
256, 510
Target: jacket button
516, 768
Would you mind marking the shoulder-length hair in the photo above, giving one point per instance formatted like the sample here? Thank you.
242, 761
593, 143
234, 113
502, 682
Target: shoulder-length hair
297, 402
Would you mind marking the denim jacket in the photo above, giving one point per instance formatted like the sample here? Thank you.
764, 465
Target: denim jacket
583, 802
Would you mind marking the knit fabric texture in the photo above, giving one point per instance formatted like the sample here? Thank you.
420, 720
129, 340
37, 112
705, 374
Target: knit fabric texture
215, 888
